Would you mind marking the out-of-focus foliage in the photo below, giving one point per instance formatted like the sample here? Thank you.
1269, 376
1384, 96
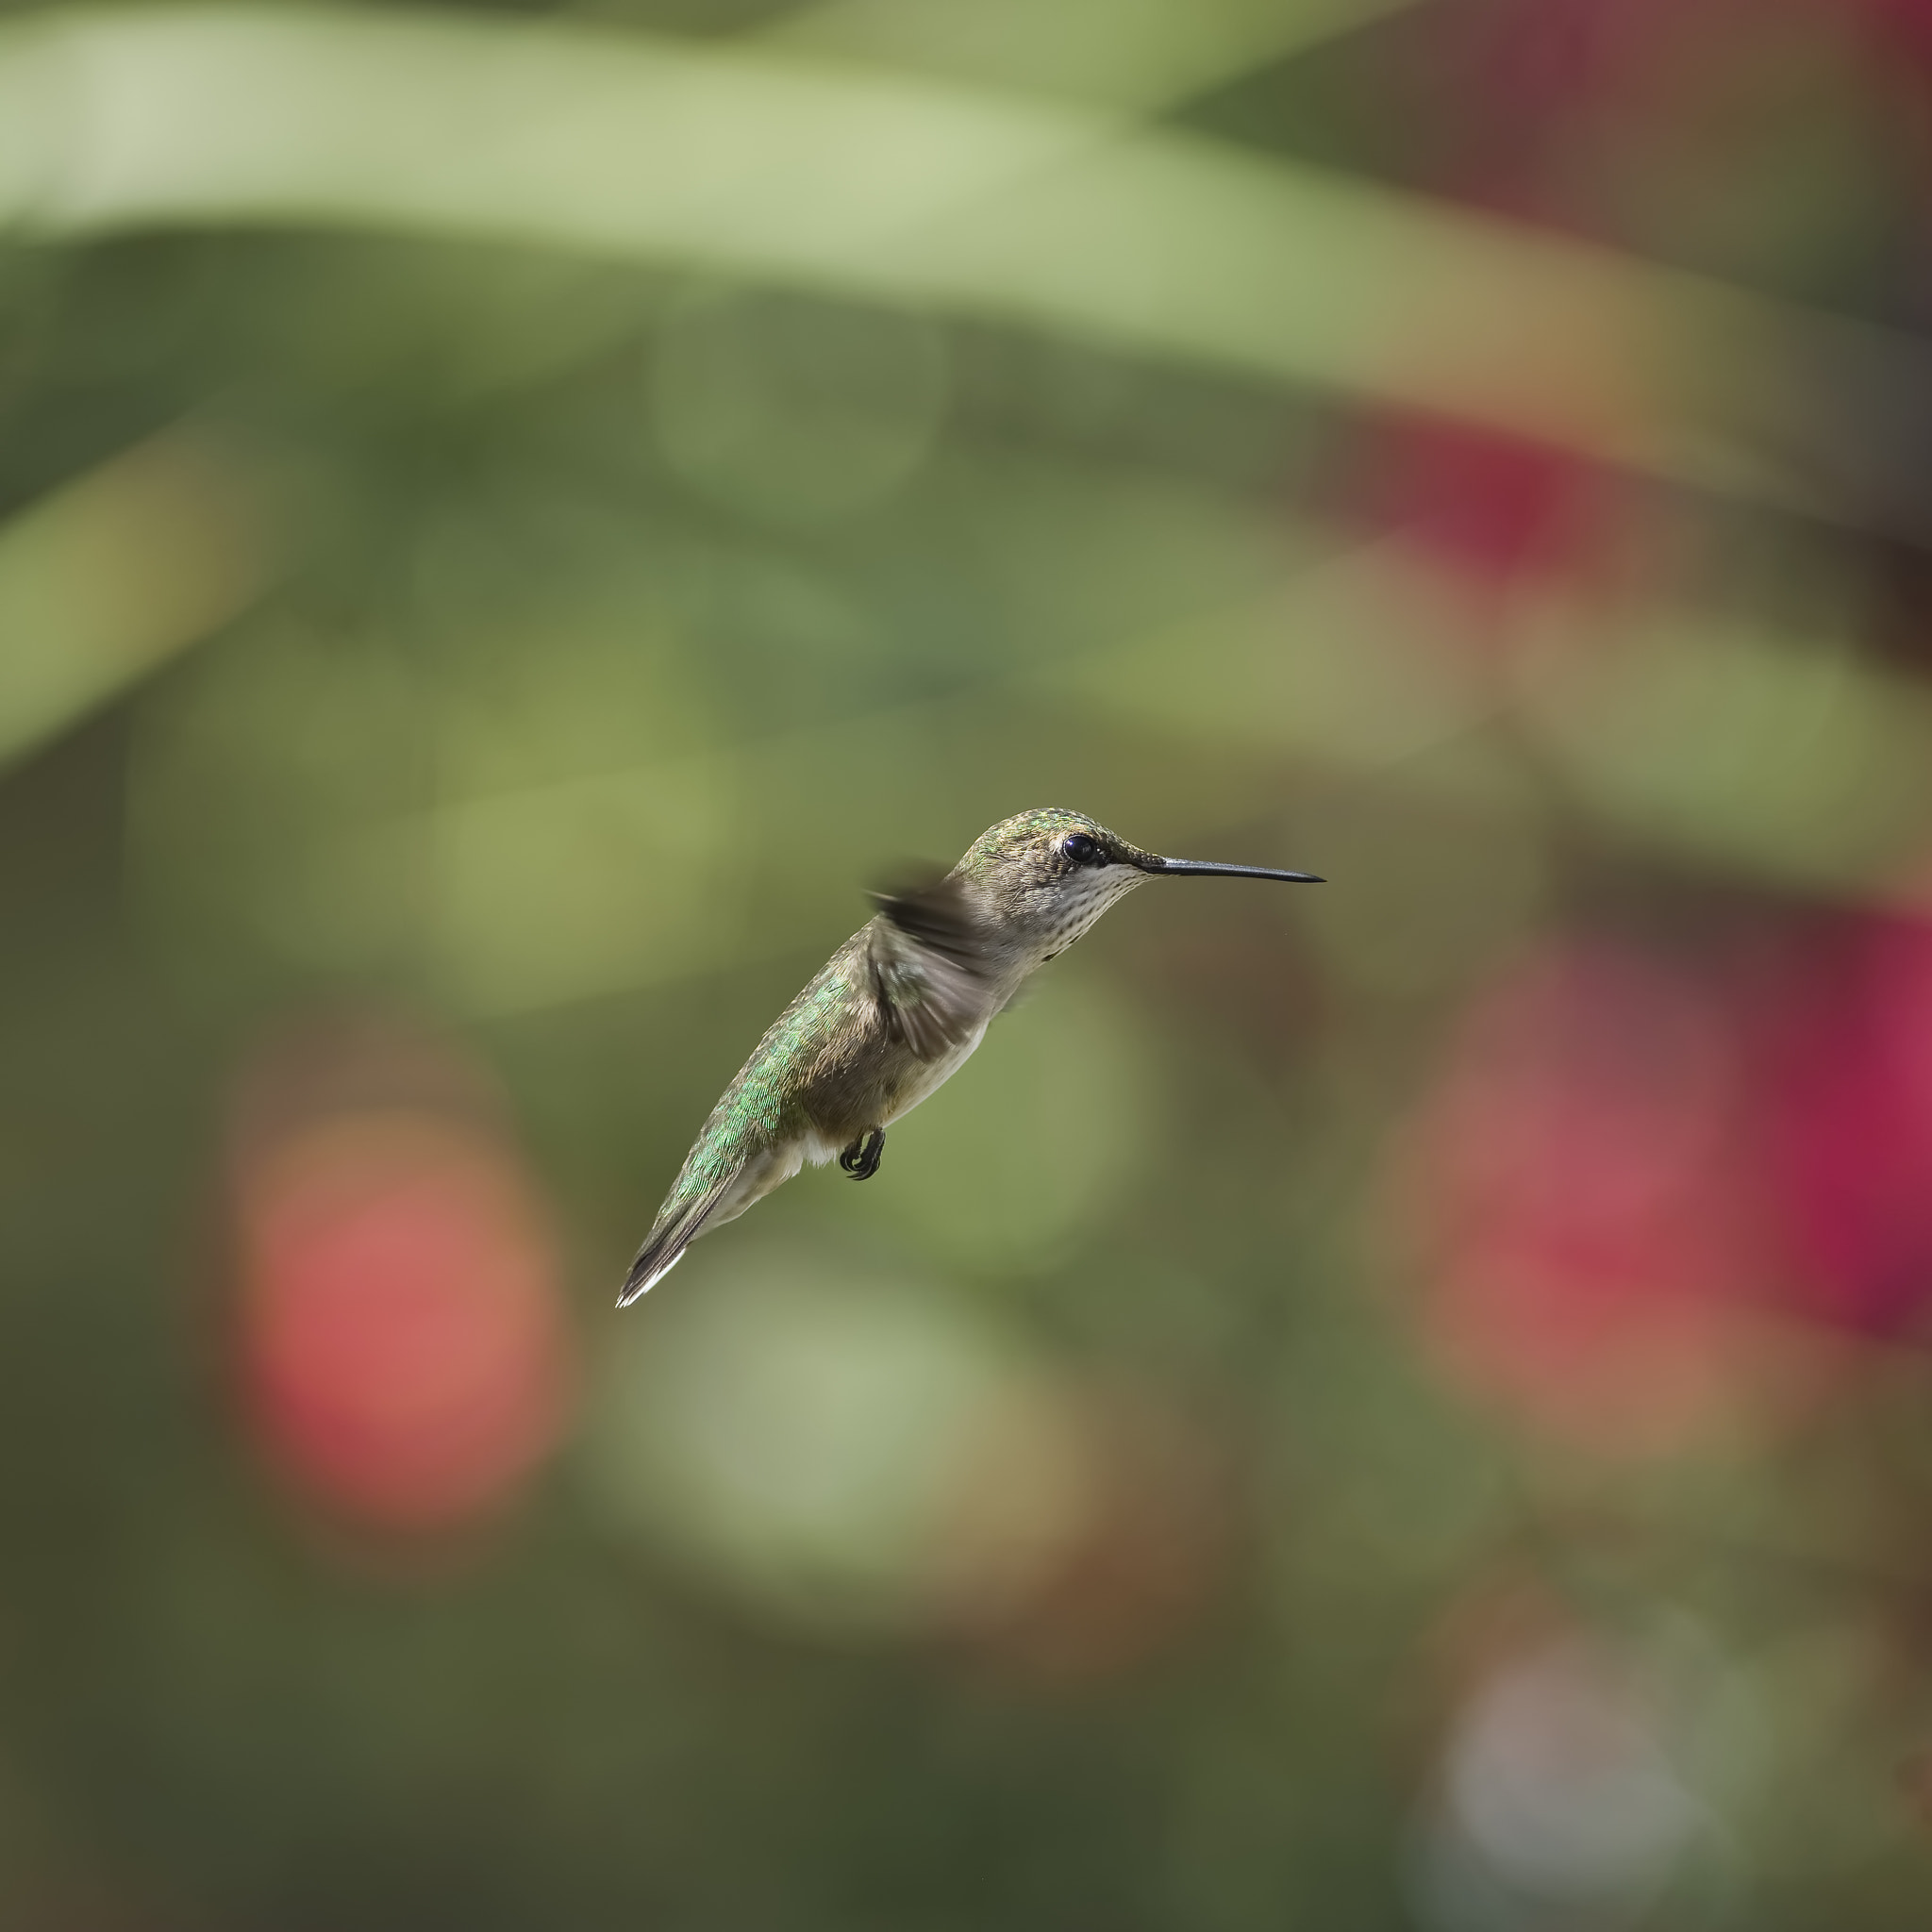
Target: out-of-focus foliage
1398, 1404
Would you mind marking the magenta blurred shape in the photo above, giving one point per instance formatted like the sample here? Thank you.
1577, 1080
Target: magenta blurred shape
1530, 102
1904, 26
1493, 506
1849, 1121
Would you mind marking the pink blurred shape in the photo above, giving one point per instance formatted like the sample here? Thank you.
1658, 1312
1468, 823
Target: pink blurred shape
1904, 26
1848, 1120
1542, 89
402, 1334
1573, 1189
1494, 507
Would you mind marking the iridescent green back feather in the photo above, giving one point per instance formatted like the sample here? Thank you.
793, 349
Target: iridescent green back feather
761, 1106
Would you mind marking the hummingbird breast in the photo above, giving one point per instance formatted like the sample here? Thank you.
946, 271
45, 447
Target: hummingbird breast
865, 1076
860, 1080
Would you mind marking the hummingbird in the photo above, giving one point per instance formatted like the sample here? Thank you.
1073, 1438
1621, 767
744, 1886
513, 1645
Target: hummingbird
896, 1011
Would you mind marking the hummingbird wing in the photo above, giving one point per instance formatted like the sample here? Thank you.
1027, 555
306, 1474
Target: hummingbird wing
930, 969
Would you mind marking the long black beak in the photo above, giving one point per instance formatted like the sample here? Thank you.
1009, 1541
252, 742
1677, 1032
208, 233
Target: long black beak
1203, 867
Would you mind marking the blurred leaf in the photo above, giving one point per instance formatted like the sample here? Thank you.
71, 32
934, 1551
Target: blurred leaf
1787, 755
1132, 54
904, 190
121, 568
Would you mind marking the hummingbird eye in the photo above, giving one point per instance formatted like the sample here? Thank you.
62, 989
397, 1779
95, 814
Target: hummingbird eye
1083, 850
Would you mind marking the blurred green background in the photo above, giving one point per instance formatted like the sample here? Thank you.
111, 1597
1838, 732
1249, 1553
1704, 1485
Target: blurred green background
1398, 1405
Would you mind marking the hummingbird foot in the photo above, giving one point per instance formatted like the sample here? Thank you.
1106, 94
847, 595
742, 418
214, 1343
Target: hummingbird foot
862, 1160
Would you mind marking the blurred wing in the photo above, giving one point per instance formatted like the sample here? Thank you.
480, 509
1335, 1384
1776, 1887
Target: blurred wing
930, 971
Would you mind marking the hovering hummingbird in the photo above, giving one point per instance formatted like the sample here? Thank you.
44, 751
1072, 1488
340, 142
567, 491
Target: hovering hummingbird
896, 1011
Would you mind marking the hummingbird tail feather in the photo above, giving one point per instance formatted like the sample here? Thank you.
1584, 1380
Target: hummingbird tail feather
678, 1226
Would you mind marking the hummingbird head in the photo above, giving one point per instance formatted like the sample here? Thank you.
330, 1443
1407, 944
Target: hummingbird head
1045, 877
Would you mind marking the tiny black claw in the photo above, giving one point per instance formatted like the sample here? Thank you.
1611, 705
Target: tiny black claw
862, 1160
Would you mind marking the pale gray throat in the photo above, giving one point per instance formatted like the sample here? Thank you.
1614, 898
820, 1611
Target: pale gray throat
1077, 905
